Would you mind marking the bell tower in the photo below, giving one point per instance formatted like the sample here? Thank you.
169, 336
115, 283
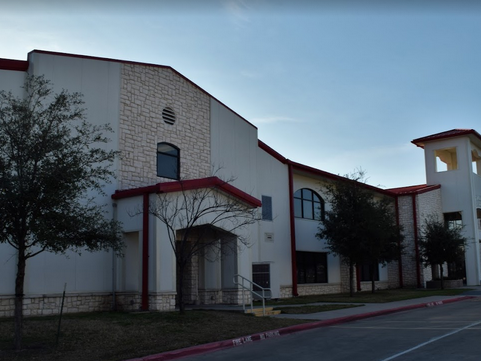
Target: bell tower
453, 160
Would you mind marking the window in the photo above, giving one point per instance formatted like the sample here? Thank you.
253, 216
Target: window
168, 161
308, 204
266, 208
311, 267
453, 219
446, 159
366, 274
261, 275
475, 161
478, 216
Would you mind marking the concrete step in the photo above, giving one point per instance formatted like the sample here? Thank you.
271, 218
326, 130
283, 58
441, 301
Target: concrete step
259, 313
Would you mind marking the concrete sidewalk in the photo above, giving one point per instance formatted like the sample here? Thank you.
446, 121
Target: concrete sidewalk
363, 308
369, 308
321, 319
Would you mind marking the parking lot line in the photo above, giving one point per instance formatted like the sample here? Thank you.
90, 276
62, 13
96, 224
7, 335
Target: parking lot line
431, 341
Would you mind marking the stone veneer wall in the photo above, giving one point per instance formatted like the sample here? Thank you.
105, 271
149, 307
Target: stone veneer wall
50, 305
145, 92
93, 302
426, 204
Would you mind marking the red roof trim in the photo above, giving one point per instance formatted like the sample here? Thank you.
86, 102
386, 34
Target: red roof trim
177, 186
15, 65
418, 189
335, 177
444, 135
272, 152
142, 64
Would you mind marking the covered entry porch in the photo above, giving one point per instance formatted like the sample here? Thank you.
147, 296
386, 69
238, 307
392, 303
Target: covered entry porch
207, 260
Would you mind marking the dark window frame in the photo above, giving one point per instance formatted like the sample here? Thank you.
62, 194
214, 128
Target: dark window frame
453, 219
261, 275
365, 272
312, 267
306, 200
266, 208
171, 154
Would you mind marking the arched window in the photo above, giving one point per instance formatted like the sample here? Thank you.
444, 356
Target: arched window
168, 161
308, 204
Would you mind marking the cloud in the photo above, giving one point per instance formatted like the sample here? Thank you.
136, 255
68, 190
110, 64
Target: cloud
273, 119
238, 10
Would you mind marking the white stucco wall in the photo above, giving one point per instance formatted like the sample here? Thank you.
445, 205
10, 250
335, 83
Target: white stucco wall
459, 189
99, 82
273, 181
233, 148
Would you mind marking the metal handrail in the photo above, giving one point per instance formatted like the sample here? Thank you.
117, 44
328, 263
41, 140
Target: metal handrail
251, 290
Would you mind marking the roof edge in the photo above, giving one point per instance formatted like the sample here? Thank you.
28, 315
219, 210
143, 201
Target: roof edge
445, 135
419, 189
141, 64
191, 184
15, 65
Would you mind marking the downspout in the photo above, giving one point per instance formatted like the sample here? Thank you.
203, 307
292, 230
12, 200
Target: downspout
400, 261
416, 245
145, 253
114, 263
293, 232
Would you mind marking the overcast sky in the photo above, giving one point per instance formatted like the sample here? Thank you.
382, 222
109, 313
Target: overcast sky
336, 85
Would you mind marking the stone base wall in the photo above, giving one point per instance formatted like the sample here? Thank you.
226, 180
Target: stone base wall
380, 285
50, 305
210, 297
163, 301
75, 303
234, 296
318, 289
447, 284
286, 292
311, 289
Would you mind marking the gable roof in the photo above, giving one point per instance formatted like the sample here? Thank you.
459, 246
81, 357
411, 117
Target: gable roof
22, 65
191, 184
471, 133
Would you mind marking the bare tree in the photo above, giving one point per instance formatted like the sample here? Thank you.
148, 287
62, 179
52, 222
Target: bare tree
198, 219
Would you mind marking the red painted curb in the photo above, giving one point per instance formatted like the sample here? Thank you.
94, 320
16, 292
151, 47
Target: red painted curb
219, 345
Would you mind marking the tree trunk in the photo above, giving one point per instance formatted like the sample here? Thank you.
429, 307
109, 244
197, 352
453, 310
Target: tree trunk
371, 274
441, 276
181, 288
351, 279
18, 313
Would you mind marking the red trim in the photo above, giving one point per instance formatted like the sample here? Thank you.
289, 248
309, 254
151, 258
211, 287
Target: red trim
142, 64
444, 135
293, 232
272, 152
191, 184
145, 253
419, 189
15, 65
314, 171
416, 245
321, 173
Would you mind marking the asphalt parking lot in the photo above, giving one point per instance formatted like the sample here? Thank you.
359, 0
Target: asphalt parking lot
444, 333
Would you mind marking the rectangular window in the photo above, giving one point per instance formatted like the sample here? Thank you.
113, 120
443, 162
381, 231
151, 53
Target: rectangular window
453, 219
366, 274
311, 267
261, 275
266, 208
446, 159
